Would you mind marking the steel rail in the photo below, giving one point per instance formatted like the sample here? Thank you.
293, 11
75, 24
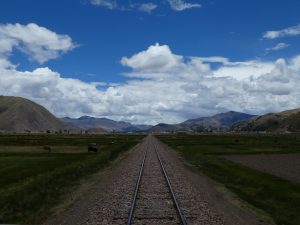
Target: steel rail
178, 209
133, 203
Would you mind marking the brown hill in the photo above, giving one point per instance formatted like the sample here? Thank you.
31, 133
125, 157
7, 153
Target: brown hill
22, 115
286, 121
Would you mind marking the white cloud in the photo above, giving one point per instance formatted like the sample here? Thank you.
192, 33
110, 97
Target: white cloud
278, 47
244, 70
176, 5
110, 4
290, 31
158, 62
164, 87
5, 64
180, 5
39, 43
155, 58
214, 59
295, 63
195, 89
147, 7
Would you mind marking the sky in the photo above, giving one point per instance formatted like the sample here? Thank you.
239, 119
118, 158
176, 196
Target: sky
151, 61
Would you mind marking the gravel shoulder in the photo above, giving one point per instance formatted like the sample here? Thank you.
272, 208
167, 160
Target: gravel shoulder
106, 200
286, 166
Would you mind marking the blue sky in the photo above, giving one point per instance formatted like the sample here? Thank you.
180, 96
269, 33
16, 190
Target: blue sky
102, 32
231, 29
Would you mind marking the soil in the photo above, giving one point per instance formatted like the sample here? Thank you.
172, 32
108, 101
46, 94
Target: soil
286, 166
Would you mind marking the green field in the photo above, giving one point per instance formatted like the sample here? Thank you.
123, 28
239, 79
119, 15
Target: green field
33, 180
277, 197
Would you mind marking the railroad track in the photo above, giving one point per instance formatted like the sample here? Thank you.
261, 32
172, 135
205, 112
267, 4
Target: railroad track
154, 201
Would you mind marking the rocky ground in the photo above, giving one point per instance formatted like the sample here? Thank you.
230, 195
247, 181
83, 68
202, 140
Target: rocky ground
286, 166
108, 200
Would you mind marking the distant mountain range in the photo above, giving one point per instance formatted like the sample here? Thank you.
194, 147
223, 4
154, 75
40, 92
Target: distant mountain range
218, 123
87, 122
22, 115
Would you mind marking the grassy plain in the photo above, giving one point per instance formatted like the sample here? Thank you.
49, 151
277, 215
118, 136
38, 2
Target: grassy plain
278, 197
33, 180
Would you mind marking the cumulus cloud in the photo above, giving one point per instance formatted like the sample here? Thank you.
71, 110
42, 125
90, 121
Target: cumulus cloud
155, 59
278, 47
158, 62
164, 87
180, 5
147, 7
39, 43
290, 31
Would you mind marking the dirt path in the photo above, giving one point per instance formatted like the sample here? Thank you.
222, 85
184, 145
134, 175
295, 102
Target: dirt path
108, 200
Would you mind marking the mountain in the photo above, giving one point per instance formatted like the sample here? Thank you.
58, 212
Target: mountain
162, 127
286, 121
22, 115
219, 122
87, 122
221, 119
96, 130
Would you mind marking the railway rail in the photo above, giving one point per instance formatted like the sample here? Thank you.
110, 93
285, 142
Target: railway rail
154, 201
